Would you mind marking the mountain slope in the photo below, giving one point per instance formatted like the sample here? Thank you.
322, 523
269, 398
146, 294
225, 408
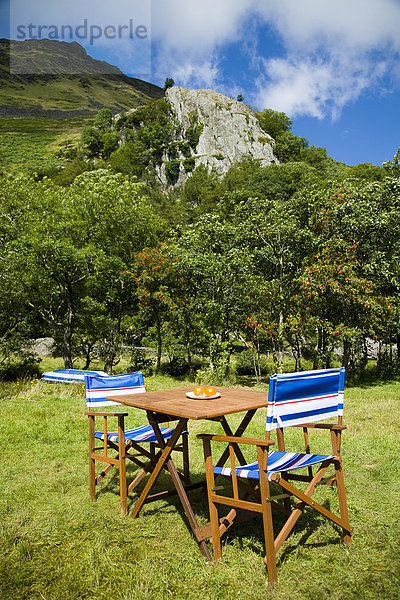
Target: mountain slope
78, 85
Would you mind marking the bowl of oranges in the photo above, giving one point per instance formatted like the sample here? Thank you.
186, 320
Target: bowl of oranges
201, 392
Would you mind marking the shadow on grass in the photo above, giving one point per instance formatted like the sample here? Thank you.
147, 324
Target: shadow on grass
248, 534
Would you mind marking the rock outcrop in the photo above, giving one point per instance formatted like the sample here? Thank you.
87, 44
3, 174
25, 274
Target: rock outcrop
221, 131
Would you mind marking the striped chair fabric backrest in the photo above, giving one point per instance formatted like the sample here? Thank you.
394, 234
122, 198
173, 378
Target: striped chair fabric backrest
97, 388
69, 375
296, 398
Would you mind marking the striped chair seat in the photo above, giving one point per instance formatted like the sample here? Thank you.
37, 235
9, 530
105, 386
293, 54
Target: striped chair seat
139, 434
278, 462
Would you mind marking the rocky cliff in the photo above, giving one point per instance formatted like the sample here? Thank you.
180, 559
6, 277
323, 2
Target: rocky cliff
221, 132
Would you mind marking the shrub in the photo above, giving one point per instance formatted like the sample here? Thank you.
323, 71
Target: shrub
177, 367
141, 362
23, 368
172, 169
245, 363
189, 164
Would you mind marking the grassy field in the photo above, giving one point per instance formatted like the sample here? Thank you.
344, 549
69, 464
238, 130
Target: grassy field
56, 544
29, 145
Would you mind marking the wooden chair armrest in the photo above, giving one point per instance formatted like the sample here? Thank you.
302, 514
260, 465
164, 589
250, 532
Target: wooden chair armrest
106, 414
330, 426
235, 439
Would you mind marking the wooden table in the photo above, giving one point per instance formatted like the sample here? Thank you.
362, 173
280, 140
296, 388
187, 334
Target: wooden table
172, 405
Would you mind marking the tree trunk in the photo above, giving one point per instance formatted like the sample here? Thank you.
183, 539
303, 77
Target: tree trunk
159, 342
318, 349
346, 353
67, 343
88, 358
188, 351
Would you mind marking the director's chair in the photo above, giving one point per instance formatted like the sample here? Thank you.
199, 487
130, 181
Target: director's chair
128, 444
294, 400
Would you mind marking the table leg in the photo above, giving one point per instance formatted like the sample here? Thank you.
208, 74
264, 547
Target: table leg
166, 459
167, 449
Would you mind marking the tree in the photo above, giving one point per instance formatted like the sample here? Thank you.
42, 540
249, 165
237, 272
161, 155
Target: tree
153, 272
119, 221
17, 199
273, 122
169, 82
103, 120
288, 147
218, 281
277, 236
92, 139
349, 282
68, 255
393, 166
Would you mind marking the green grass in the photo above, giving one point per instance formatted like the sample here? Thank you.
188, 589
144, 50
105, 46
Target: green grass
29, 145
56, 544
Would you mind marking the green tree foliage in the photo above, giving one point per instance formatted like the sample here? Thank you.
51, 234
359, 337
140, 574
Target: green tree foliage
289, 147
273, 122
169, 82
103, 119
148, 133
349, 284
367, 172
92, 139
276, 259
392, 167
172, 170
68, 255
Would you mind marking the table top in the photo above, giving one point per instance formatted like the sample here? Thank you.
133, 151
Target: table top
174, 402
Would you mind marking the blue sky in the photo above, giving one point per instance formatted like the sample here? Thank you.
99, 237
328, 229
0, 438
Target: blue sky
333, 66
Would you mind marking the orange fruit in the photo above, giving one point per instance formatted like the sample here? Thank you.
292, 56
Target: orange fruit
210, 391
199, 390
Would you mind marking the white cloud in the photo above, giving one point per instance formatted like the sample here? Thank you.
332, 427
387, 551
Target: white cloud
199, 27
358, 24
190, 36
309, 87
334, 50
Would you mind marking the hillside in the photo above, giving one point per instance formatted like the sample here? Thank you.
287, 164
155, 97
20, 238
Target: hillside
39, 114
78, 85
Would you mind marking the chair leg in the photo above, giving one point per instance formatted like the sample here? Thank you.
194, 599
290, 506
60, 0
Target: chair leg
270, 555
186, 469
92, 462
215, 535
341, 490
123, 492
92, 479
344, 513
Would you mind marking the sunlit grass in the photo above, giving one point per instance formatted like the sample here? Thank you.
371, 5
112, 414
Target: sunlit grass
56, 544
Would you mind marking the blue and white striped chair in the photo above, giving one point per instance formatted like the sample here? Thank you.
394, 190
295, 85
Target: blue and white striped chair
122, 441
294, 400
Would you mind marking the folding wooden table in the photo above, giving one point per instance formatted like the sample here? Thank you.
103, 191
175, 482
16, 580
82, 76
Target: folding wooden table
173, 405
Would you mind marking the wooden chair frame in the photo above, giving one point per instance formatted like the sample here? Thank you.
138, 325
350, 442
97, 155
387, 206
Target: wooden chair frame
126, 450
280, 502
